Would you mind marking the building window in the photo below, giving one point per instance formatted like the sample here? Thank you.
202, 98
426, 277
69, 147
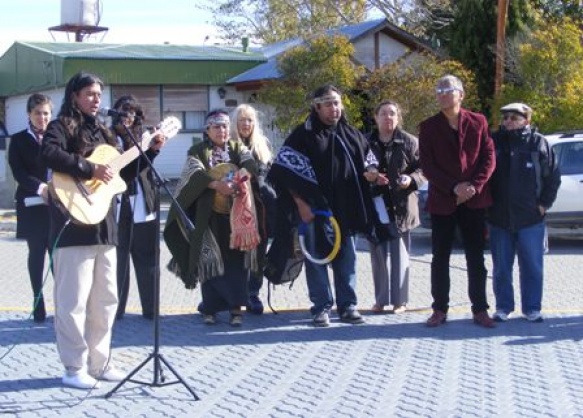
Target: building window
194, 120
186, 102
147, 96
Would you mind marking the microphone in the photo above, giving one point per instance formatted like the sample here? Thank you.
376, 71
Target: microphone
106, 111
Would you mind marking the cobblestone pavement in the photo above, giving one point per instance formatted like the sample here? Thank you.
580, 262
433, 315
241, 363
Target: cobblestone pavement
278, 365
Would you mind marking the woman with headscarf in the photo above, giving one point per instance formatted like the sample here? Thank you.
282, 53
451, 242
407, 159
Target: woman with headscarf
215, 194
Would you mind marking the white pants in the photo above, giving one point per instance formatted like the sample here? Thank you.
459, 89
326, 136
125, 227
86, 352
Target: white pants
85, 305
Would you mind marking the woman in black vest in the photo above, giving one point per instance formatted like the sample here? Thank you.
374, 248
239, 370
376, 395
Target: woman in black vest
138, 230
31, 174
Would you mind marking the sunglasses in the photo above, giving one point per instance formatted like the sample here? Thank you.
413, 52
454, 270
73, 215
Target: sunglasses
513, 117
445, 90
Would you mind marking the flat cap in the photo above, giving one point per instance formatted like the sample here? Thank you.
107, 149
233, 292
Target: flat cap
520, 108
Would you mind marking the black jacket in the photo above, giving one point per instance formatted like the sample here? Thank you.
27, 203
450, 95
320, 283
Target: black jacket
398, 157
526, 176
337, 157
64, 154
29, 172
139, 171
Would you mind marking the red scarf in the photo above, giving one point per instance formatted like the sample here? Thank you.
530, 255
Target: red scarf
244, 233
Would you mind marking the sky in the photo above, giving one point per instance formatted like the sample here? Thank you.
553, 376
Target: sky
129, 21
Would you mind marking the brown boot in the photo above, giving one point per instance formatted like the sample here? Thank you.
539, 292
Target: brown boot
436, 319
484, 320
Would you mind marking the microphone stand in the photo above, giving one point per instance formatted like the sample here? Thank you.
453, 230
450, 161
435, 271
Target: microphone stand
158, 359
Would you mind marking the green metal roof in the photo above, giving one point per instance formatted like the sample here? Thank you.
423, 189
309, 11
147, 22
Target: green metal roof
139, 51
27, 67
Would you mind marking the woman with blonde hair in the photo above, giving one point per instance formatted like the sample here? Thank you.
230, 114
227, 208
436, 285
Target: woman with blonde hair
247, 129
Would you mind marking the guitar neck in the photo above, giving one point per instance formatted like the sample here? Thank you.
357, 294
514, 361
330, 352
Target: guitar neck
131, 154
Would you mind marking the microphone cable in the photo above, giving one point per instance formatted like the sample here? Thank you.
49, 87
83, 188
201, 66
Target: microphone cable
38, 296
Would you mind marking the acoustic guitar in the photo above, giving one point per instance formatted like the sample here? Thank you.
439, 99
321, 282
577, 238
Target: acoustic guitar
88, 201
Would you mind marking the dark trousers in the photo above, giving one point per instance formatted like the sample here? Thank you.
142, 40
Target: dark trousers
472, 226
138, 240
37, 248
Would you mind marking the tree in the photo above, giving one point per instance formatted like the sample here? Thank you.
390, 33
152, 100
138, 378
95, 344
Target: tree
557, 10
415, 16
411, 83
322, 60
470, 37
547, 69
269, 21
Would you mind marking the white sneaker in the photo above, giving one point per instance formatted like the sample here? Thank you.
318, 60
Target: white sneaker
80, 380
534, 316
110, 375
500, 316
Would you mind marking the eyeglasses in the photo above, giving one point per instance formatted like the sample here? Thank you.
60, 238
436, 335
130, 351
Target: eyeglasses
512, 117
445, 90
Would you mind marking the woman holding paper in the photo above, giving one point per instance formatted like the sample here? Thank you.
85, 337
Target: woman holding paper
395, 195
32, 216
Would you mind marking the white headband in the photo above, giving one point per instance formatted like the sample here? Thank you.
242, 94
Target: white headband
217, 119
330, 97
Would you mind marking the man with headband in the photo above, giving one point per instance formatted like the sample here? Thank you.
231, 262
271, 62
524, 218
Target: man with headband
325, 164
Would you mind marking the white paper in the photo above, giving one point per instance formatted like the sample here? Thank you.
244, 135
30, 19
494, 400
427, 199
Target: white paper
379, 205
33, 201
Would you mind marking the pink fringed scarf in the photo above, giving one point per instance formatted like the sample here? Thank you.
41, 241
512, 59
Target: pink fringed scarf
244, 231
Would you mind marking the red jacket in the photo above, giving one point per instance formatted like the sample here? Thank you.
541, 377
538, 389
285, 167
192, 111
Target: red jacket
448, 158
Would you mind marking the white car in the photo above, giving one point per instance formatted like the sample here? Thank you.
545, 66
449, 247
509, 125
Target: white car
567, 211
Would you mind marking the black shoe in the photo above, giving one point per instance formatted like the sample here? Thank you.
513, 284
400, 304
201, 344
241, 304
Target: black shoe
236, 320
39, 319
148, 315
352, 316
39, 314
322, 319
254, 305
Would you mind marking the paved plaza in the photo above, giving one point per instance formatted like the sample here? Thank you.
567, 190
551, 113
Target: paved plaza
278, 365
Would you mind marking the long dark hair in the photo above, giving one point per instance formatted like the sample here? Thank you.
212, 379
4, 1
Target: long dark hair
321, 92
127, 104
73, 118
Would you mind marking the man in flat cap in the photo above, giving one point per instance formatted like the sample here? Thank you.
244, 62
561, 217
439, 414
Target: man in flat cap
524, 186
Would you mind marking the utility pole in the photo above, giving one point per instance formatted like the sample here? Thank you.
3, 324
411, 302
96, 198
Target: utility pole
500, 45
